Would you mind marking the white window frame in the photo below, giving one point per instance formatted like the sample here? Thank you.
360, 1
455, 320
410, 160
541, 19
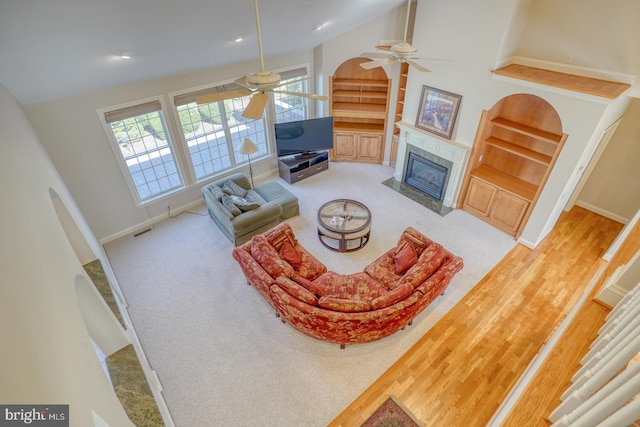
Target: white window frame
268, 120
113, 143
237, 160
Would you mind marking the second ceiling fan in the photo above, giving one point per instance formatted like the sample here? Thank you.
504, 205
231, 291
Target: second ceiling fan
259, 83
399, 52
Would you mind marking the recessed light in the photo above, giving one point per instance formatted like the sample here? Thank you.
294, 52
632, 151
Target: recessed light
239, 38
319, 27
125, 55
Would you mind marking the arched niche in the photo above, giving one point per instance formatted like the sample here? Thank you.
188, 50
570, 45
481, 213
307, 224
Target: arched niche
101, 324
79, 244
529, 110
100, 321
515, 149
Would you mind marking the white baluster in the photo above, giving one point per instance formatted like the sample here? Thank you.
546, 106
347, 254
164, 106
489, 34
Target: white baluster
606, 400
624, 416
617, 325
593, 357
593, 380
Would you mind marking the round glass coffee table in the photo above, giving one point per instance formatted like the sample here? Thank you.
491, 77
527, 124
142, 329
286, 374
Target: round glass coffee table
344, 225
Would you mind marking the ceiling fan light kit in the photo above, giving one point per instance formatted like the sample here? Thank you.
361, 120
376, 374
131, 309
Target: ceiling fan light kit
258, 83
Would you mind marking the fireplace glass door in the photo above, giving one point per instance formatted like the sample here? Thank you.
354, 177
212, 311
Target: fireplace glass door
426, 176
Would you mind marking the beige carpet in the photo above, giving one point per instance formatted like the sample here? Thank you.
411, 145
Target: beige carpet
220, 353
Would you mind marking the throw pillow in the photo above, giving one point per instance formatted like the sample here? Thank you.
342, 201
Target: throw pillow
428, 263
405, 258
268, 257
417, 243
231, 207
277, 236
290, 254
233, 189
243, 204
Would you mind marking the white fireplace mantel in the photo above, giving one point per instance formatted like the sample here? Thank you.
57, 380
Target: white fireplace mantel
453, 151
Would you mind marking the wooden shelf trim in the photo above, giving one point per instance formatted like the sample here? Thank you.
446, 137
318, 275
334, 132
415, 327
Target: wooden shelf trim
507, 182
350, 109
527, 130
359, 82
589, 85
359, 94
357, 127
532, 155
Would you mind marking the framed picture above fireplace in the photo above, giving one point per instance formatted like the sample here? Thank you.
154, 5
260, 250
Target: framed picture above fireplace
438, 111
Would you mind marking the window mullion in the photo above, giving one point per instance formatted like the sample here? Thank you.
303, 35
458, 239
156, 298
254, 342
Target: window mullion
227, 133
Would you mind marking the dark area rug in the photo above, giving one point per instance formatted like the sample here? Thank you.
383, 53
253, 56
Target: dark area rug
392, 414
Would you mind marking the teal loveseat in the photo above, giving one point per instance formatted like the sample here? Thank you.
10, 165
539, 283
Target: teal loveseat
267, 204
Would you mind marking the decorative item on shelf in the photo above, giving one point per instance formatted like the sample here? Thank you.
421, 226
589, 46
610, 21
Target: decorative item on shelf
248, 147
438, 111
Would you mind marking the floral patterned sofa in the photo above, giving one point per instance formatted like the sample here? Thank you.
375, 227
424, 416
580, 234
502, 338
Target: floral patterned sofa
353, 308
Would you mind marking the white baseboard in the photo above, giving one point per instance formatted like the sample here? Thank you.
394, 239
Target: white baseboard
611, 295
142, 226
604, 213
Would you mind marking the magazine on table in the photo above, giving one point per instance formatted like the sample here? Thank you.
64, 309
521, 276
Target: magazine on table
336, 221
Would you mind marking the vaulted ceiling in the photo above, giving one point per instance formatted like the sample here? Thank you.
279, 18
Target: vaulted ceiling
52, 49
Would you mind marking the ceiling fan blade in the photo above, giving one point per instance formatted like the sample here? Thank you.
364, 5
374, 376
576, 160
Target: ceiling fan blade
383, 47
221, 96
377, 63
305, 95
256, 106
374, 55
242, 81
418, 66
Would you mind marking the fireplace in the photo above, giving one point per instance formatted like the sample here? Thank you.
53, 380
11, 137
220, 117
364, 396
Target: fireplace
450, 155
426, 175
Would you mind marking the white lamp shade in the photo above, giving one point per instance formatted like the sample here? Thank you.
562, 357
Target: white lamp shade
247, 147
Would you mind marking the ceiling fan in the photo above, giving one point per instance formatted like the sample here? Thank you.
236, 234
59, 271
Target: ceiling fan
259, 84
399, 52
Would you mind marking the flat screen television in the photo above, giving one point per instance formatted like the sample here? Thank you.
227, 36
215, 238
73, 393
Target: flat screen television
304, 136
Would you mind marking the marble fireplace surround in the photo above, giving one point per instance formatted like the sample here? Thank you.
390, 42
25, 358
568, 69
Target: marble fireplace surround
452, 151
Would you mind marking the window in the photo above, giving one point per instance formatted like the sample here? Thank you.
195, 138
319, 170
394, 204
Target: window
213, 131
289, 108
143, 144
209, 135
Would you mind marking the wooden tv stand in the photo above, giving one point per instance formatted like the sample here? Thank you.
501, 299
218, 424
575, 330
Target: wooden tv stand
295, 168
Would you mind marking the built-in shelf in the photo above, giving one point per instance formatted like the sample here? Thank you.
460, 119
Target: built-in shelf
588, 85
359, 94
506, 182
359, 83
351, 109
527, 130
509, 147
517, 143
357, 127
359, 105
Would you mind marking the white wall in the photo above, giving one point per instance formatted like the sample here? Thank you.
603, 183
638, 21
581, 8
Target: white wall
613, 188
47, 355
597, 34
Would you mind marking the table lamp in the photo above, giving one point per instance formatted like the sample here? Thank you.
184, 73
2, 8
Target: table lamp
248, 147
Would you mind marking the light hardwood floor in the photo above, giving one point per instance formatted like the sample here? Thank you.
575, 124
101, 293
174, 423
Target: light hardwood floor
460, 371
